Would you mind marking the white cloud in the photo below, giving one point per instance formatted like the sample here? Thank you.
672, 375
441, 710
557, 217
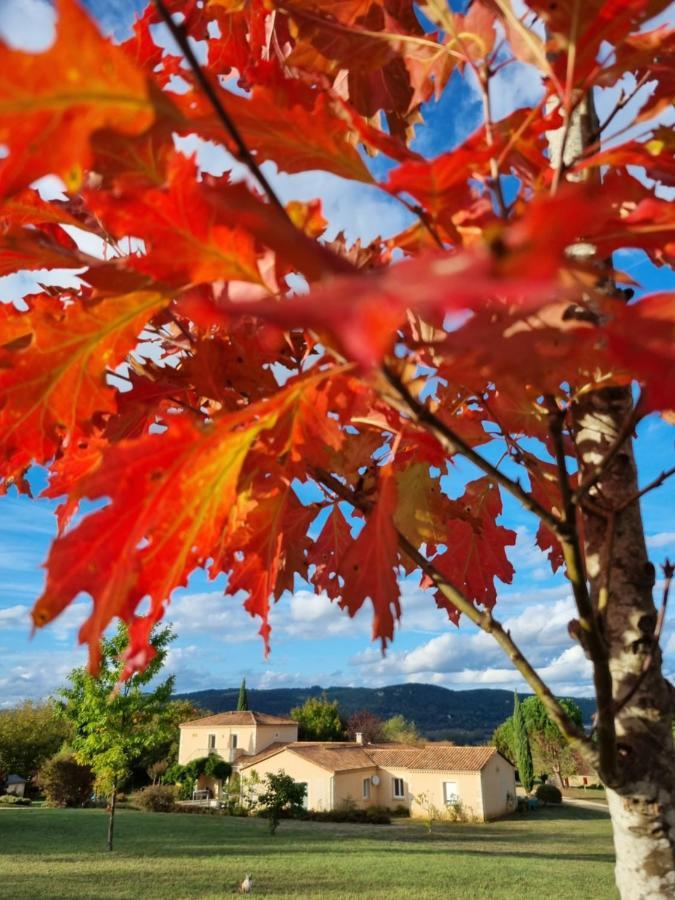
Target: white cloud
660, 540
27, 24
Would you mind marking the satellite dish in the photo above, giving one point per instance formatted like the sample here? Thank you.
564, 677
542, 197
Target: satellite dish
375, 780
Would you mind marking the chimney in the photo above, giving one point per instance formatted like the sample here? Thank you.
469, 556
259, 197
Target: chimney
358, 737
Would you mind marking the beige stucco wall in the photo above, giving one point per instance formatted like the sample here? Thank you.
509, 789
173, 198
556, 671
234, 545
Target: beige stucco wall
194, 739
318, 780
499, 787
431, 784
349, 788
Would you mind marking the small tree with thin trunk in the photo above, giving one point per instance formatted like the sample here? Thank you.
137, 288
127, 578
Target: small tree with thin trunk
280, 794
117, 722
522, 746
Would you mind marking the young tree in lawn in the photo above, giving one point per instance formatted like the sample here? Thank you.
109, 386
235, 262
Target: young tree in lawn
521, 744
280, 794
242, 700
117, 719
319, 720
277, 434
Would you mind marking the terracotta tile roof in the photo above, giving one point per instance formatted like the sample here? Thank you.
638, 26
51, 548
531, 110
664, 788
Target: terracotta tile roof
238, 718
434, 757
330, 755
339, 757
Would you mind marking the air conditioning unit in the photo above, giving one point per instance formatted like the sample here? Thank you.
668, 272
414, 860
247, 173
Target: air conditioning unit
375, 780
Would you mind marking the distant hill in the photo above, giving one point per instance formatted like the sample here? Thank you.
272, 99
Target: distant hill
467, 717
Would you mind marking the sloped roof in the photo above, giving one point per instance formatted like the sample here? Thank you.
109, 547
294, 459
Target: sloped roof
330, 755
342, 757
15, 779
434, 757
237, 718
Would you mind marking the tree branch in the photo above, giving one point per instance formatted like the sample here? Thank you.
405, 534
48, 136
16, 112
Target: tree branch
483, 620
243, 153
657, 482
453, 443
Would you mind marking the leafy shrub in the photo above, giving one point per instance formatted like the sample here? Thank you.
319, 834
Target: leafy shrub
399, 811
374, 815
13, 800
156, 798
65, 781
548, 793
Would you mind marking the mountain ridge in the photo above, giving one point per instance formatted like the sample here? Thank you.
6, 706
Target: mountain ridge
440, 713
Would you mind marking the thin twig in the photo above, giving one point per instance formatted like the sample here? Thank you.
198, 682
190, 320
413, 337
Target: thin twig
484, 82
657, 482
243, 153
592, 478
453, 443
483, 620
624, 100
648, 662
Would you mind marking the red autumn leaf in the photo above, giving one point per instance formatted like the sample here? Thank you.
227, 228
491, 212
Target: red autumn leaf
52, 102
369, 565
476, 545
53, 360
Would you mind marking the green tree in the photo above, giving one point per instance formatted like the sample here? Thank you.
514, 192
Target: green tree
319, 720
116, 723
242, 702
550, 751
522, 748
400, 730
30, 734
502, 739
280, 793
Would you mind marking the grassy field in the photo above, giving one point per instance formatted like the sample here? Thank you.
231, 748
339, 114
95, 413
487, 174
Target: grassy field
598, 796
52, 853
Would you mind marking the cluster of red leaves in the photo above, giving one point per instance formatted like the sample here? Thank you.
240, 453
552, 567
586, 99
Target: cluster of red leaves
250, 391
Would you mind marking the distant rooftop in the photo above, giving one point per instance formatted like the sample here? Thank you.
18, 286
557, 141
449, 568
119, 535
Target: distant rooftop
237, 718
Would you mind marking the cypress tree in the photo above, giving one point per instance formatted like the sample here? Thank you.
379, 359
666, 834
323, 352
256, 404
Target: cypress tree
522, 746
242, 702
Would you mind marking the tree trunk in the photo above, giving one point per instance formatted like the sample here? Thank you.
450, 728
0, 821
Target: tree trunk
642, 794
641, 790
111, 815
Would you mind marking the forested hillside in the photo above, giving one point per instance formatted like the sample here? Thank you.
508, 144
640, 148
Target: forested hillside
439, 713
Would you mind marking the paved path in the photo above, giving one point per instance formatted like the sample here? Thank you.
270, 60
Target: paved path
587, 804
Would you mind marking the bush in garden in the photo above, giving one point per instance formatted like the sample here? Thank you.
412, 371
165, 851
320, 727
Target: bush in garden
65, 781
548, 793
156, 798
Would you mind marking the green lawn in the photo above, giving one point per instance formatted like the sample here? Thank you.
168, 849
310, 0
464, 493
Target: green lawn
53, 853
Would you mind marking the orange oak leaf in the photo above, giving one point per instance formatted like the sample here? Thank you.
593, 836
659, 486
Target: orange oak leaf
476, 546
53, 360
52, 102
174, 506
327, 552
368, 567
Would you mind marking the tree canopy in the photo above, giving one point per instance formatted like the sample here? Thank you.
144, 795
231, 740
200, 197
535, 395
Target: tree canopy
319, 719
29, 735
299, 398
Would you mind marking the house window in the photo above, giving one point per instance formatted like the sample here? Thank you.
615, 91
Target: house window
233, 741
399, 791
366, 788
450, 795
211, 743
305, 799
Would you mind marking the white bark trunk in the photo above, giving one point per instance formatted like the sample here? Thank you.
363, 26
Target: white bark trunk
641, 794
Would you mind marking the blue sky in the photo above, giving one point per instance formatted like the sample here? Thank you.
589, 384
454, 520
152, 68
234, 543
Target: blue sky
312, 641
